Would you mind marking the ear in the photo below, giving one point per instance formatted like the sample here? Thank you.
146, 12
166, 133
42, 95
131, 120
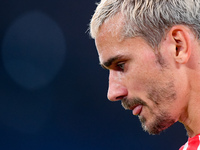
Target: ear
180, 36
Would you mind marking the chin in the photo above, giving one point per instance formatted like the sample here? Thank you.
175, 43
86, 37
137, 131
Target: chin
157, 126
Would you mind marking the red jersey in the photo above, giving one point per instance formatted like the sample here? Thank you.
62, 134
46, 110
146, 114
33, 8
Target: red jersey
192, 143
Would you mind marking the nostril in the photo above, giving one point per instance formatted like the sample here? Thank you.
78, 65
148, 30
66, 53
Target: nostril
116, 93
116, 89
119, 98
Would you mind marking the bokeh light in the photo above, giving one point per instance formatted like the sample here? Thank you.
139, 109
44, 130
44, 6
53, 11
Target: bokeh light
33, 50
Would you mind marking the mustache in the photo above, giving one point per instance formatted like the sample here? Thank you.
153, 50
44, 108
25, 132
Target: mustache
129, 104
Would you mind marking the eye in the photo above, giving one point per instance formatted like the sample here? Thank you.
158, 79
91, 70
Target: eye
120, 65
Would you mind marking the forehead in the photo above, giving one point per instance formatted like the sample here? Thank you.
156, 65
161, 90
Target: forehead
111, 26
112, 47
109, 34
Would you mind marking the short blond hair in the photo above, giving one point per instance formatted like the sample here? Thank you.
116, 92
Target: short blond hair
148, 18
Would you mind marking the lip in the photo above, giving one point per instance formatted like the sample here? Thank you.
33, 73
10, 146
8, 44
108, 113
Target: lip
137, 109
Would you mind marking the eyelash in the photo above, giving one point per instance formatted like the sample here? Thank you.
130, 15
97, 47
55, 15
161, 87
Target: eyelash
120, 66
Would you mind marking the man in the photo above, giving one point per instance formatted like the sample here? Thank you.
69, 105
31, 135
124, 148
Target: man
152, 51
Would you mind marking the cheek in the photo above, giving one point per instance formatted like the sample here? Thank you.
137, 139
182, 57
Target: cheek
137, 80
142, 73
147, 84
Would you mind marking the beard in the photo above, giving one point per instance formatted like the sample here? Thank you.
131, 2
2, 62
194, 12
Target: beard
160, 123
160, 96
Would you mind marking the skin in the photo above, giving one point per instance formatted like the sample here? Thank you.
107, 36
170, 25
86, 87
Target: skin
137, 77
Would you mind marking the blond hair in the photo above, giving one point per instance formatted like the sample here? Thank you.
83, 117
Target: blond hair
148, 18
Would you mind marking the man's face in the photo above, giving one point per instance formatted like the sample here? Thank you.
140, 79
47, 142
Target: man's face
143, 81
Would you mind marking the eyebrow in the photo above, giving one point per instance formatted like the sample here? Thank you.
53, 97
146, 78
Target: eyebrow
110, 61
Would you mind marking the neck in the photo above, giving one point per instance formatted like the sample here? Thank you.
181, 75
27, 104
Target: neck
191, 115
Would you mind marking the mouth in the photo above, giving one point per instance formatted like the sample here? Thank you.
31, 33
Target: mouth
136, 110
135, 105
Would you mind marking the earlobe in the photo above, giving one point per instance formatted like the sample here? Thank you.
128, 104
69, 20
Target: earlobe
181, 39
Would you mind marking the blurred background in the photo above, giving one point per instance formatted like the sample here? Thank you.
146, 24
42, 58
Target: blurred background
52, 89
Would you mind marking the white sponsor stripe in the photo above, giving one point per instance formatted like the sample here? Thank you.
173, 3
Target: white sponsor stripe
185, 146
199, 144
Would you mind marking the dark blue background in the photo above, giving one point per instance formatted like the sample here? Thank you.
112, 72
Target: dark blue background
53, 91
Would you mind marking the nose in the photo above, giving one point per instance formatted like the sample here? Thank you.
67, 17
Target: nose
116, 89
